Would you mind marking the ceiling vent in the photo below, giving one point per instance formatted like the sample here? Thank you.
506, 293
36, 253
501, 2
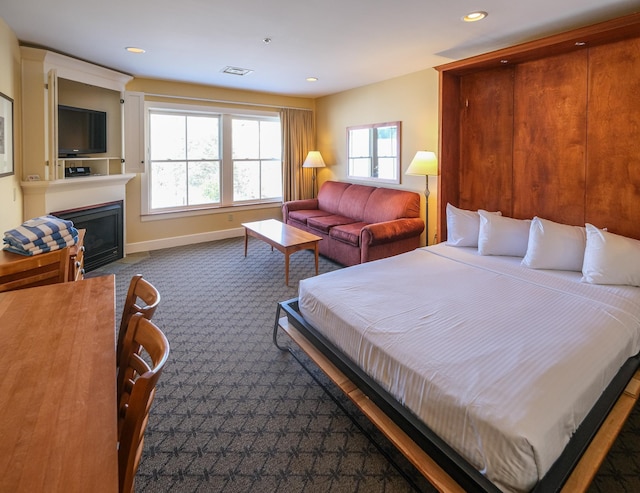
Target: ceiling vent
236, 71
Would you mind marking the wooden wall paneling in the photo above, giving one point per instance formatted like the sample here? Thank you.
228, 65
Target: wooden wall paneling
550, 138
613, 160
486, 140
610, 31
611, 190
449, 147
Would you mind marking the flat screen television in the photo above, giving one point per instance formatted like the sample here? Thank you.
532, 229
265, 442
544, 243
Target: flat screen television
81, 131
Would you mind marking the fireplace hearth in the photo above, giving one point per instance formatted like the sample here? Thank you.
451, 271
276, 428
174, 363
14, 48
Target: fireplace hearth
104, 238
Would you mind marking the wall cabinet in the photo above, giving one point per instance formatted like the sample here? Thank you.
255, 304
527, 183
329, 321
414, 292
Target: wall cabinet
546, 128
134, 136
49, 79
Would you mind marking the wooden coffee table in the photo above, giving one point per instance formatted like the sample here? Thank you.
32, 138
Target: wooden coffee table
283, 237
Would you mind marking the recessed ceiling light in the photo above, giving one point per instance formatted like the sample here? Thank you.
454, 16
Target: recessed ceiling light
312, 79
475, 16
133, 49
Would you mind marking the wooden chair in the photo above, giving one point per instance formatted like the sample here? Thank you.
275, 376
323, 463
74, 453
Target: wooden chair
139, 289
137, 393
18, 271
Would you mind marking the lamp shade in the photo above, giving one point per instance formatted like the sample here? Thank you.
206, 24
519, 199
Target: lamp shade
423, 163
314, 160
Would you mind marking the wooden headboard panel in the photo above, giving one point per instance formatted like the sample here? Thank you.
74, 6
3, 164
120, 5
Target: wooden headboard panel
548, 128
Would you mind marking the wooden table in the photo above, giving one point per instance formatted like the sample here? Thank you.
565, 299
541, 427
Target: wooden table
58, 427
282, 237
76, 259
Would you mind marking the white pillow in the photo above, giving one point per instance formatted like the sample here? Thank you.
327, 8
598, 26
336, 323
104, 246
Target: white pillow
610, 258
555, 246
463, 227
502, 235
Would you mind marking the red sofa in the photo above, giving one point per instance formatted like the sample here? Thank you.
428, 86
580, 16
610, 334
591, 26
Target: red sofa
359, 223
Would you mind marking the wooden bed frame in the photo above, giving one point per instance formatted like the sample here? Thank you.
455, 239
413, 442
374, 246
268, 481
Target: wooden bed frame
434, 459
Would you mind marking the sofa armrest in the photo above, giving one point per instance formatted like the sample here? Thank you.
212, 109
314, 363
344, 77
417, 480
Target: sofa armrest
388, 231
297, 205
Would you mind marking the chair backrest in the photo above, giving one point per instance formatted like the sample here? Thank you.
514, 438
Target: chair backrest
36, 270
139, 289
141, 373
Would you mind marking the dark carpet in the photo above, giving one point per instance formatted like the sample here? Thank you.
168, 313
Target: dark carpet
235, 414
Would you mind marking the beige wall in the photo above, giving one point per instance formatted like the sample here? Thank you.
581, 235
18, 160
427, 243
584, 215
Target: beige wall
411, 99
150, 233
217, 94
10, 191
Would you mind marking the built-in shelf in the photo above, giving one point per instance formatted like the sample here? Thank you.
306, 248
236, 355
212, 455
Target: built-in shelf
68, 81
98, 166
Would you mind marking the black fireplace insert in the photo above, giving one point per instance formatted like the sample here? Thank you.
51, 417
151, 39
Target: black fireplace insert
103, 241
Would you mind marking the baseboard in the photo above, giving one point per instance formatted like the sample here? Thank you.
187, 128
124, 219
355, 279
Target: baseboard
146, 246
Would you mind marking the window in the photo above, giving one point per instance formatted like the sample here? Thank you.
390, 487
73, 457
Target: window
374, 152
184, 159
257, 161
199, 159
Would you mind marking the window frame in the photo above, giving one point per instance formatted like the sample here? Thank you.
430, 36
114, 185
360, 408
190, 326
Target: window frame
260, 160
373, 152
226, 167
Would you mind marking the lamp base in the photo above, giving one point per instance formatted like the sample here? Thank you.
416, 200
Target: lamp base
426, 209
314, 184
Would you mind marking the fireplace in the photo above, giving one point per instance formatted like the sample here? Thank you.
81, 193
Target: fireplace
103, 240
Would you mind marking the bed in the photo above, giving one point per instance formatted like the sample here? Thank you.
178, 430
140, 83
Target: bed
501, 372
544, 129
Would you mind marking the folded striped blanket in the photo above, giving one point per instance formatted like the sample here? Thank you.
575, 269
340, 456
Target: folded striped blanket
36, 228
40, 235
61, 237
56, 245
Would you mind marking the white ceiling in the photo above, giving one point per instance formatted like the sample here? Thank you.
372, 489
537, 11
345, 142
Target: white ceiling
345, 43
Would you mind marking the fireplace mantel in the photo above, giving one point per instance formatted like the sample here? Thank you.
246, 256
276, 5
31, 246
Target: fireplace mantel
43, 197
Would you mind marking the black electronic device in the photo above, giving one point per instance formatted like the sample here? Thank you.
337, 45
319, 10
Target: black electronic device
73, 171
81, 131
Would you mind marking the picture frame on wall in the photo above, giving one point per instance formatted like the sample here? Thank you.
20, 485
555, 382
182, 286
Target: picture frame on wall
6, 135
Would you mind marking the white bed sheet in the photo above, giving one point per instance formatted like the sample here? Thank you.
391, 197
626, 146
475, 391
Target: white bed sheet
501, 361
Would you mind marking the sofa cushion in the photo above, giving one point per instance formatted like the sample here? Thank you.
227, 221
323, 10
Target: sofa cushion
354, 201
348, 233
390, 231
387, 204
325, 223
303, 215
330, 194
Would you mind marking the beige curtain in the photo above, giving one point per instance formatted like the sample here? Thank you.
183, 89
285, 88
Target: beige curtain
298, 138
